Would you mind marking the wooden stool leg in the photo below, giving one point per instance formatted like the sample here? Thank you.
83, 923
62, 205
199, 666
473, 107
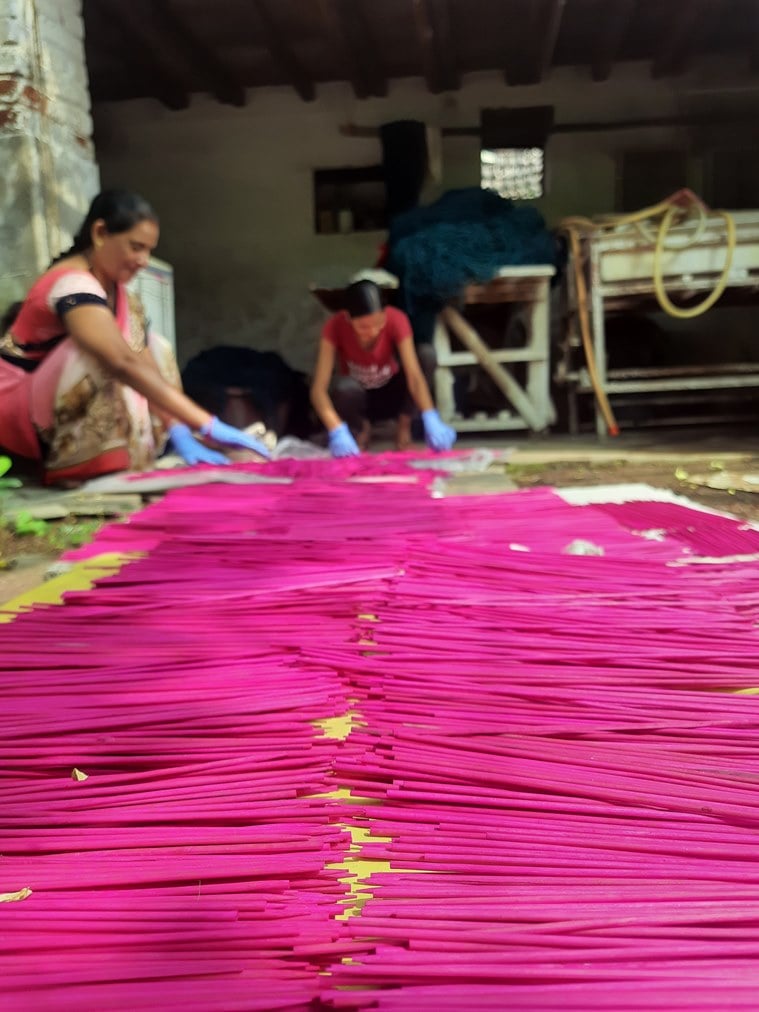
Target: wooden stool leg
444, 398
500, 376
538, 370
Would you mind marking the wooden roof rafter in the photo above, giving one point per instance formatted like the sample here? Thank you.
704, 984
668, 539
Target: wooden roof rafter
532, 54
613, 20
222, 83
349, 33
515, 12
553, 12
753, 32
282, 53
333, 34
433, 28
144, 55
173, 49
680, 35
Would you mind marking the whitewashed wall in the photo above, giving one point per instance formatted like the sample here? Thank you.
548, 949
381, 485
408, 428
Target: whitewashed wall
234, 186
48, 166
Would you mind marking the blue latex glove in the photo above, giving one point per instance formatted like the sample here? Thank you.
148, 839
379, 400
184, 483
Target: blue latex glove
438, 435
342, 443
182, 441
228, 435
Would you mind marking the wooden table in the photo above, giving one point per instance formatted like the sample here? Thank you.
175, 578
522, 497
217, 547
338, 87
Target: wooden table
529, 406
619, 267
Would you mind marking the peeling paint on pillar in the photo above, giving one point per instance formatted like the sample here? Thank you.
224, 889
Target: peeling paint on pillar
49, 173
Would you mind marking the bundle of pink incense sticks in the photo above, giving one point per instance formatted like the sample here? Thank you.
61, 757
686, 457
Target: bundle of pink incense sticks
550, 750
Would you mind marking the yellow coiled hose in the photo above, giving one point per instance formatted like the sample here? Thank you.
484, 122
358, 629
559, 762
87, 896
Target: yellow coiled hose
672, 211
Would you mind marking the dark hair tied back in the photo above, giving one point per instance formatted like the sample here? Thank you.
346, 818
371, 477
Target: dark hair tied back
363, 298
119, 209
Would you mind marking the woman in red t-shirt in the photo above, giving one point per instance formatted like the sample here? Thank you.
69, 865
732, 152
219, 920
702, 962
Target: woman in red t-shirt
381, 375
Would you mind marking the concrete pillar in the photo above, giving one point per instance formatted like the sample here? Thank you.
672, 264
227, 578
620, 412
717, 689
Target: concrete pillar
48, 173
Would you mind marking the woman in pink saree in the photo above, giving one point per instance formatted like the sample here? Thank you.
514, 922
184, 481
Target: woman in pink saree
85, 388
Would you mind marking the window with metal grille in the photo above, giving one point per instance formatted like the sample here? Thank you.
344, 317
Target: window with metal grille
515, 173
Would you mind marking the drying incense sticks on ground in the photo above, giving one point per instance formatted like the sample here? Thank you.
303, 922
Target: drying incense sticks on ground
548, 755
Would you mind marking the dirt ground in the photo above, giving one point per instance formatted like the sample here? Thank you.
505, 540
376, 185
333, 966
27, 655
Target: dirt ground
59, 536
660, 474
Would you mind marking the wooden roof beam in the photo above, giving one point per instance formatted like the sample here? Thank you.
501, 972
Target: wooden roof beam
613, 20
346, 24
680, 34
142, 53
549, 26
282, 53
359, 36
433, 27
333, 29
224, 85
532, 53
519, 24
